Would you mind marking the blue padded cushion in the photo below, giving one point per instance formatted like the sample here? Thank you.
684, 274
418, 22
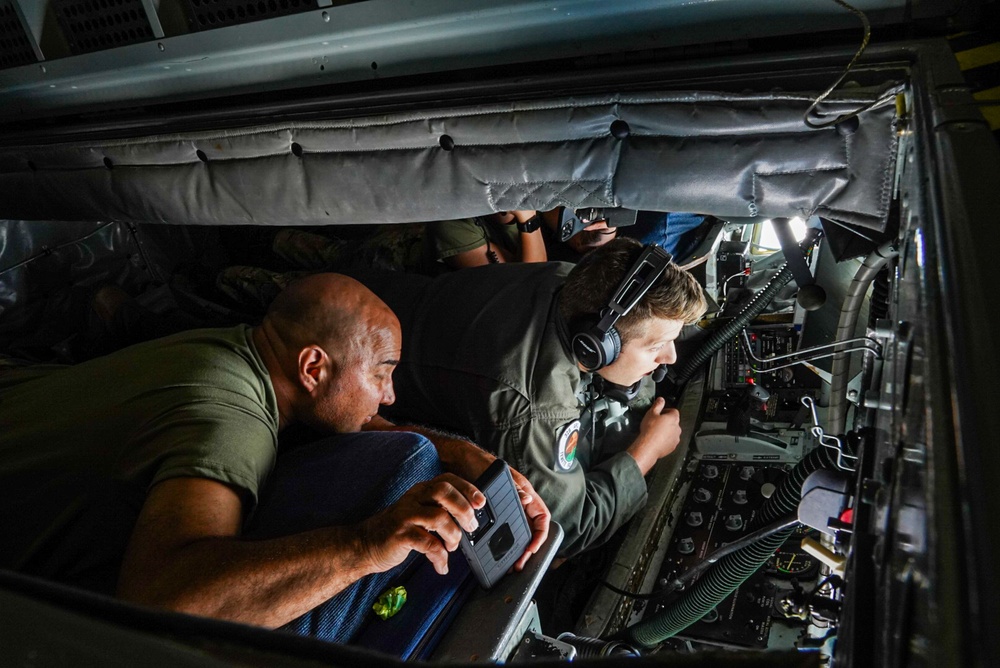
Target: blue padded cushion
432, 601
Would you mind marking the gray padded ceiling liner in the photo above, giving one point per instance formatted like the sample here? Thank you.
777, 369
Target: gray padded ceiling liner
724, 154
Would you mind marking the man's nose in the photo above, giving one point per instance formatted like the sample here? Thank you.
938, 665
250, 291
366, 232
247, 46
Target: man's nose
388, 395
668, 355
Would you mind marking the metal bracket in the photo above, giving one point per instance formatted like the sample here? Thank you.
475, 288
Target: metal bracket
863, 345
828, 441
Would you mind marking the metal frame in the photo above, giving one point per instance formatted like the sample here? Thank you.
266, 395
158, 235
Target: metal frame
376, 39
950, 193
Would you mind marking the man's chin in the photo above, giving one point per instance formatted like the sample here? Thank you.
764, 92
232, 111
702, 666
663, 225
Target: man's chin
622, 382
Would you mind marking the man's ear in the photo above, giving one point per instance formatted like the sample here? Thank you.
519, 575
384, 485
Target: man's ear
313, 367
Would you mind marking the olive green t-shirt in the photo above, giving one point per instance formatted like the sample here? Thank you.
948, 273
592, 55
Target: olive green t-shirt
80, 446
448, 238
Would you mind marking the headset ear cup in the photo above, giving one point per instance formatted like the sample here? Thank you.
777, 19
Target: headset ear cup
612, 346
588, 350
594, 350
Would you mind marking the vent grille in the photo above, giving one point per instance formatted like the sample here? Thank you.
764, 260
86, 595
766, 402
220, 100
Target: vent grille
210, 14
94, 25
15, 47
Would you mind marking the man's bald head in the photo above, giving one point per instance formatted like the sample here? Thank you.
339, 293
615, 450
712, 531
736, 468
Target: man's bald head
333, 311
330, 346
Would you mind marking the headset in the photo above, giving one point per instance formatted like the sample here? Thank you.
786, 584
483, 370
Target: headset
597, 343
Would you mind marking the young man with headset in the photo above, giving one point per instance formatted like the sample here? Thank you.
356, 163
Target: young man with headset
512, 355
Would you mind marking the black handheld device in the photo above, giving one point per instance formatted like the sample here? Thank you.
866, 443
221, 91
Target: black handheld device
573, 221
503, 531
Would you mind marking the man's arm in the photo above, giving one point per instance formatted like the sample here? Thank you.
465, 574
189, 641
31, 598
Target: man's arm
590, 505
469, 461
532, 243
480, 251
185, 552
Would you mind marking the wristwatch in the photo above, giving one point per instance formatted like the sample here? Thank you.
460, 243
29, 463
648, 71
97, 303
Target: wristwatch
530, 225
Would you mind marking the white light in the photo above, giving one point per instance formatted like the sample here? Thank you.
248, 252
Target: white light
769, 239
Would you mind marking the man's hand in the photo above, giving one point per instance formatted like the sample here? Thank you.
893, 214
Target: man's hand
538, 517
659, 434
422, 520
469, 461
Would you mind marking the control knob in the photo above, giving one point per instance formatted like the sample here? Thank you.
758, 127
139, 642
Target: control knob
734, 522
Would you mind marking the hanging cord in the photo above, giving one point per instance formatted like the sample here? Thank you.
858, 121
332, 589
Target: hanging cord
864, 44
491, 255
725, 284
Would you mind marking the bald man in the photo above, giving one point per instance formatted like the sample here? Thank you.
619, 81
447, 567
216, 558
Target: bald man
141, 474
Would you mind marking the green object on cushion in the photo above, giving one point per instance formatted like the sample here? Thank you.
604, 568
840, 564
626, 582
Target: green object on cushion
390, 602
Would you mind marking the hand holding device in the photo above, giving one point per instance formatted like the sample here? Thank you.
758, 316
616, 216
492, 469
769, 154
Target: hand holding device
503, 532
426, 519
574, 221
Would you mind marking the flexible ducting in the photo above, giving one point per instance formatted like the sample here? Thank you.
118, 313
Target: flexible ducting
732, 570
849, 311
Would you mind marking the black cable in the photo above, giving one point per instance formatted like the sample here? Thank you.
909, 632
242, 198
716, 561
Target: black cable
491, 255
864, 44
834, 580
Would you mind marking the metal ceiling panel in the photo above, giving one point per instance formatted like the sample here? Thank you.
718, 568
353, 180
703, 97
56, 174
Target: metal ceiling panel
16, 44
379, 39
94, 25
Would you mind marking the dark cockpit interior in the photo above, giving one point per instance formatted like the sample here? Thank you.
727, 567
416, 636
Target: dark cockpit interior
824, 171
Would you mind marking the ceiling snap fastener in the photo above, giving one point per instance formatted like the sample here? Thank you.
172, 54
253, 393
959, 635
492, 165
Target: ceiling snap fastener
848, 126
620, 129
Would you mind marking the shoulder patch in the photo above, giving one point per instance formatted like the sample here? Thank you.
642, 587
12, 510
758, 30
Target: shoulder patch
566, 446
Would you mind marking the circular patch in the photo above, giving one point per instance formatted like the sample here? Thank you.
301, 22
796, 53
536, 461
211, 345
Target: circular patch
566, 446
